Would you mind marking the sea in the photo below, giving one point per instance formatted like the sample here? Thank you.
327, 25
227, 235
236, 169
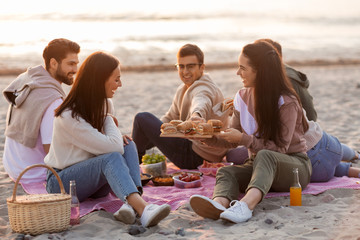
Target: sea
150, 32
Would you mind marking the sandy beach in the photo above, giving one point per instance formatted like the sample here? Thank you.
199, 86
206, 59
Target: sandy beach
333, 214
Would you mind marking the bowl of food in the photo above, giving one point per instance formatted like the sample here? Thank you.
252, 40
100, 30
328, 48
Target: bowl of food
145, 178
188, 172
154, 164
208, 168
187, 180
166, 180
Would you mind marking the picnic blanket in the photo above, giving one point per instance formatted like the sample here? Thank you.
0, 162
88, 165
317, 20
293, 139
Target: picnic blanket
176, 197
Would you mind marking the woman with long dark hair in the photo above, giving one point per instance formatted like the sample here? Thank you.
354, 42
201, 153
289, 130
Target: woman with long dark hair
88, 147
268, 120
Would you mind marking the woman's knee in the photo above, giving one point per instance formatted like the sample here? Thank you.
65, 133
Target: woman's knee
264, 155
113, 157
130, 145
225, 172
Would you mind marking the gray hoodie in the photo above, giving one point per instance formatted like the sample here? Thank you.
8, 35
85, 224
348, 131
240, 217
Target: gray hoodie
29, 95
301, 84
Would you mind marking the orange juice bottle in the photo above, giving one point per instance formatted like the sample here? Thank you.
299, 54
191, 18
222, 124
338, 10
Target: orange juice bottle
295, 190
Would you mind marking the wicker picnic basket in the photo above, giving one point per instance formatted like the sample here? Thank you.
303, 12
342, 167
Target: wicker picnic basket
39, 213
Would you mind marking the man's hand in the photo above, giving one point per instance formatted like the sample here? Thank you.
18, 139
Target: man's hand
195, 117
231, 135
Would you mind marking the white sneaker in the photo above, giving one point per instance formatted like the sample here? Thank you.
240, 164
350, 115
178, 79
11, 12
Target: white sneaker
237, 212
153, 214
125, 214
206, 207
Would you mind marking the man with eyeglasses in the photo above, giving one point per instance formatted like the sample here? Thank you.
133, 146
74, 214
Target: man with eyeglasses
194, 100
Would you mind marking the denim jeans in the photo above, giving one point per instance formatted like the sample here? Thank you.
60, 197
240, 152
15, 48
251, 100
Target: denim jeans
326, 158
97, 176
146, 134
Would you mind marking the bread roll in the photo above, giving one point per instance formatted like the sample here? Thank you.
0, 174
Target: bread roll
204, 129
216, 124
226, 104
175, 122
186, 127
168, 128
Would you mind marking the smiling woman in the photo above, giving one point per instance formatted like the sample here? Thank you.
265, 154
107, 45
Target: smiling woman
88, 147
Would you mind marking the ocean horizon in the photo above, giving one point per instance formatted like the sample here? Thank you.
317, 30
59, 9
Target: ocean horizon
145, 34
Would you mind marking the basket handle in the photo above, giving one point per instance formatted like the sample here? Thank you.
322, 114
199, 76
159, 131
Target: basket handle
33, 166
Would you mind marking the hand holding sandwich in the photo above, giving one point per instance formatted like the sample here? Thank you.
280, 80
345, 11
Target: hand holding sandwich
231, 135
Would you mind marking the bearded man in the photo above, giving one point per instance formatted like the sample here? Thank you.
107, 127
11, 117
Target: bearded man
33, 96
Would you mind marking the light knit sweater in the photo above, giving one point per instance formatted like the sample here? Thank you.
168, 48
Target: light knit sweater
29, 95
76, 140
201, 97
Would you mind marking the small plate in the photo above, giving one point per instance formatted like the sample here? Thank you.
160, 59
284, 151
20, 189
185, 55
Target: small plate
145, 178
159, 181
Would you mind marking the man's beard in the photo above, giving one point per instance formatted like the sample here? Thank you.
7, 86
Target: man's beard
63, 77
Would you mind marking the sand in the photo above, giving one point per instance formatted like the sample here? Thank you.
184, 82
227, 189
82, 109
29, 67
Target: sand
333, 214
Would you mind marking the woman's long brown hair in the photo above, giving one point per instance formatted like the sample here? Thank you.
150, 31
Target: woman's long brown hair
87, 97
271, 82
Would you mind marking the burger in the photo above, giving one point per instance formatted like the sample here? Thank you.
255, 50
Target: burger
204, 129
216, 124
186, 127
175, 122
226, 104
167, 128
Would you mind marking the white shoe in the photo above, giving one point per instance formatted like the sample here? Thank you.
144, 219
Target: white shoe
125, 214
206, 207
153, 214
237, 212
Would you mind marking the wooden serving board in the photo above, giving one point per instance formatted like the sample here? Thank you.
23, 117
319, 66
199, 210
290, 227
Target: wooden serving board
182, 135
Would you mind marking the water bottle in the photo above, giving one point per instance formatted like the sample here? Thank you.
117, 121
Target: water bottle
295, 190
75, 204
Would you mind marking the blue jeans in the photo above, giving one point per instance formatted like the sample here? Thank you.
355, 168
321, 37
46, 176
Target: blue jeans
146, 134
325, 158
97, 176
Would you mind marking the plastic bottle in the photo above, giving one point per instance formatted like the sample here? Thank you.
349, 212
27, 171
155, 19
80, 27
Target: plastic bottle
75, 204
295, 190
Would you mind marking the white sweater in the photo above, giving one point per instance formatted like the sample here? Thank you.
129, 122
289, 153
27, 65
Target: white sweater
76, 140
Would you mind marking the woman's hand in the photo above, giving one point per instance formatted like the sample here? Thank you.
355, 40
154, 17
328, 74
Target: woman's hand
126, 138
114, 118
231, 135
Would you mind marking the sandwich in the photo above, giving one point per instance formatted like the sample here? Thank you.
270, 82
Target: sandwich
186, 127
226, 104
216, 124
175, 122
167, 128
204, 129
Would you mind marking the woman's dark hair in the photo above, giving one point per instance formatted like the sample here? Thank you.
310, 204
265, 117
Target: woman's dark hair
270, 83
87, 97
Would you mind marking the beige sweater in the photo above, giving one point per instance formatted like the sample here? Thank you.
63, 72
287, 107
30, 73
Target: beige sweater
29, 95
76, 140
203, 96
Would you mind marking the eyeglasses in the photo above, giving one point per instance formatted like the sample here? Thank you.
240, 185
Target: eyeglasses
189, 67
